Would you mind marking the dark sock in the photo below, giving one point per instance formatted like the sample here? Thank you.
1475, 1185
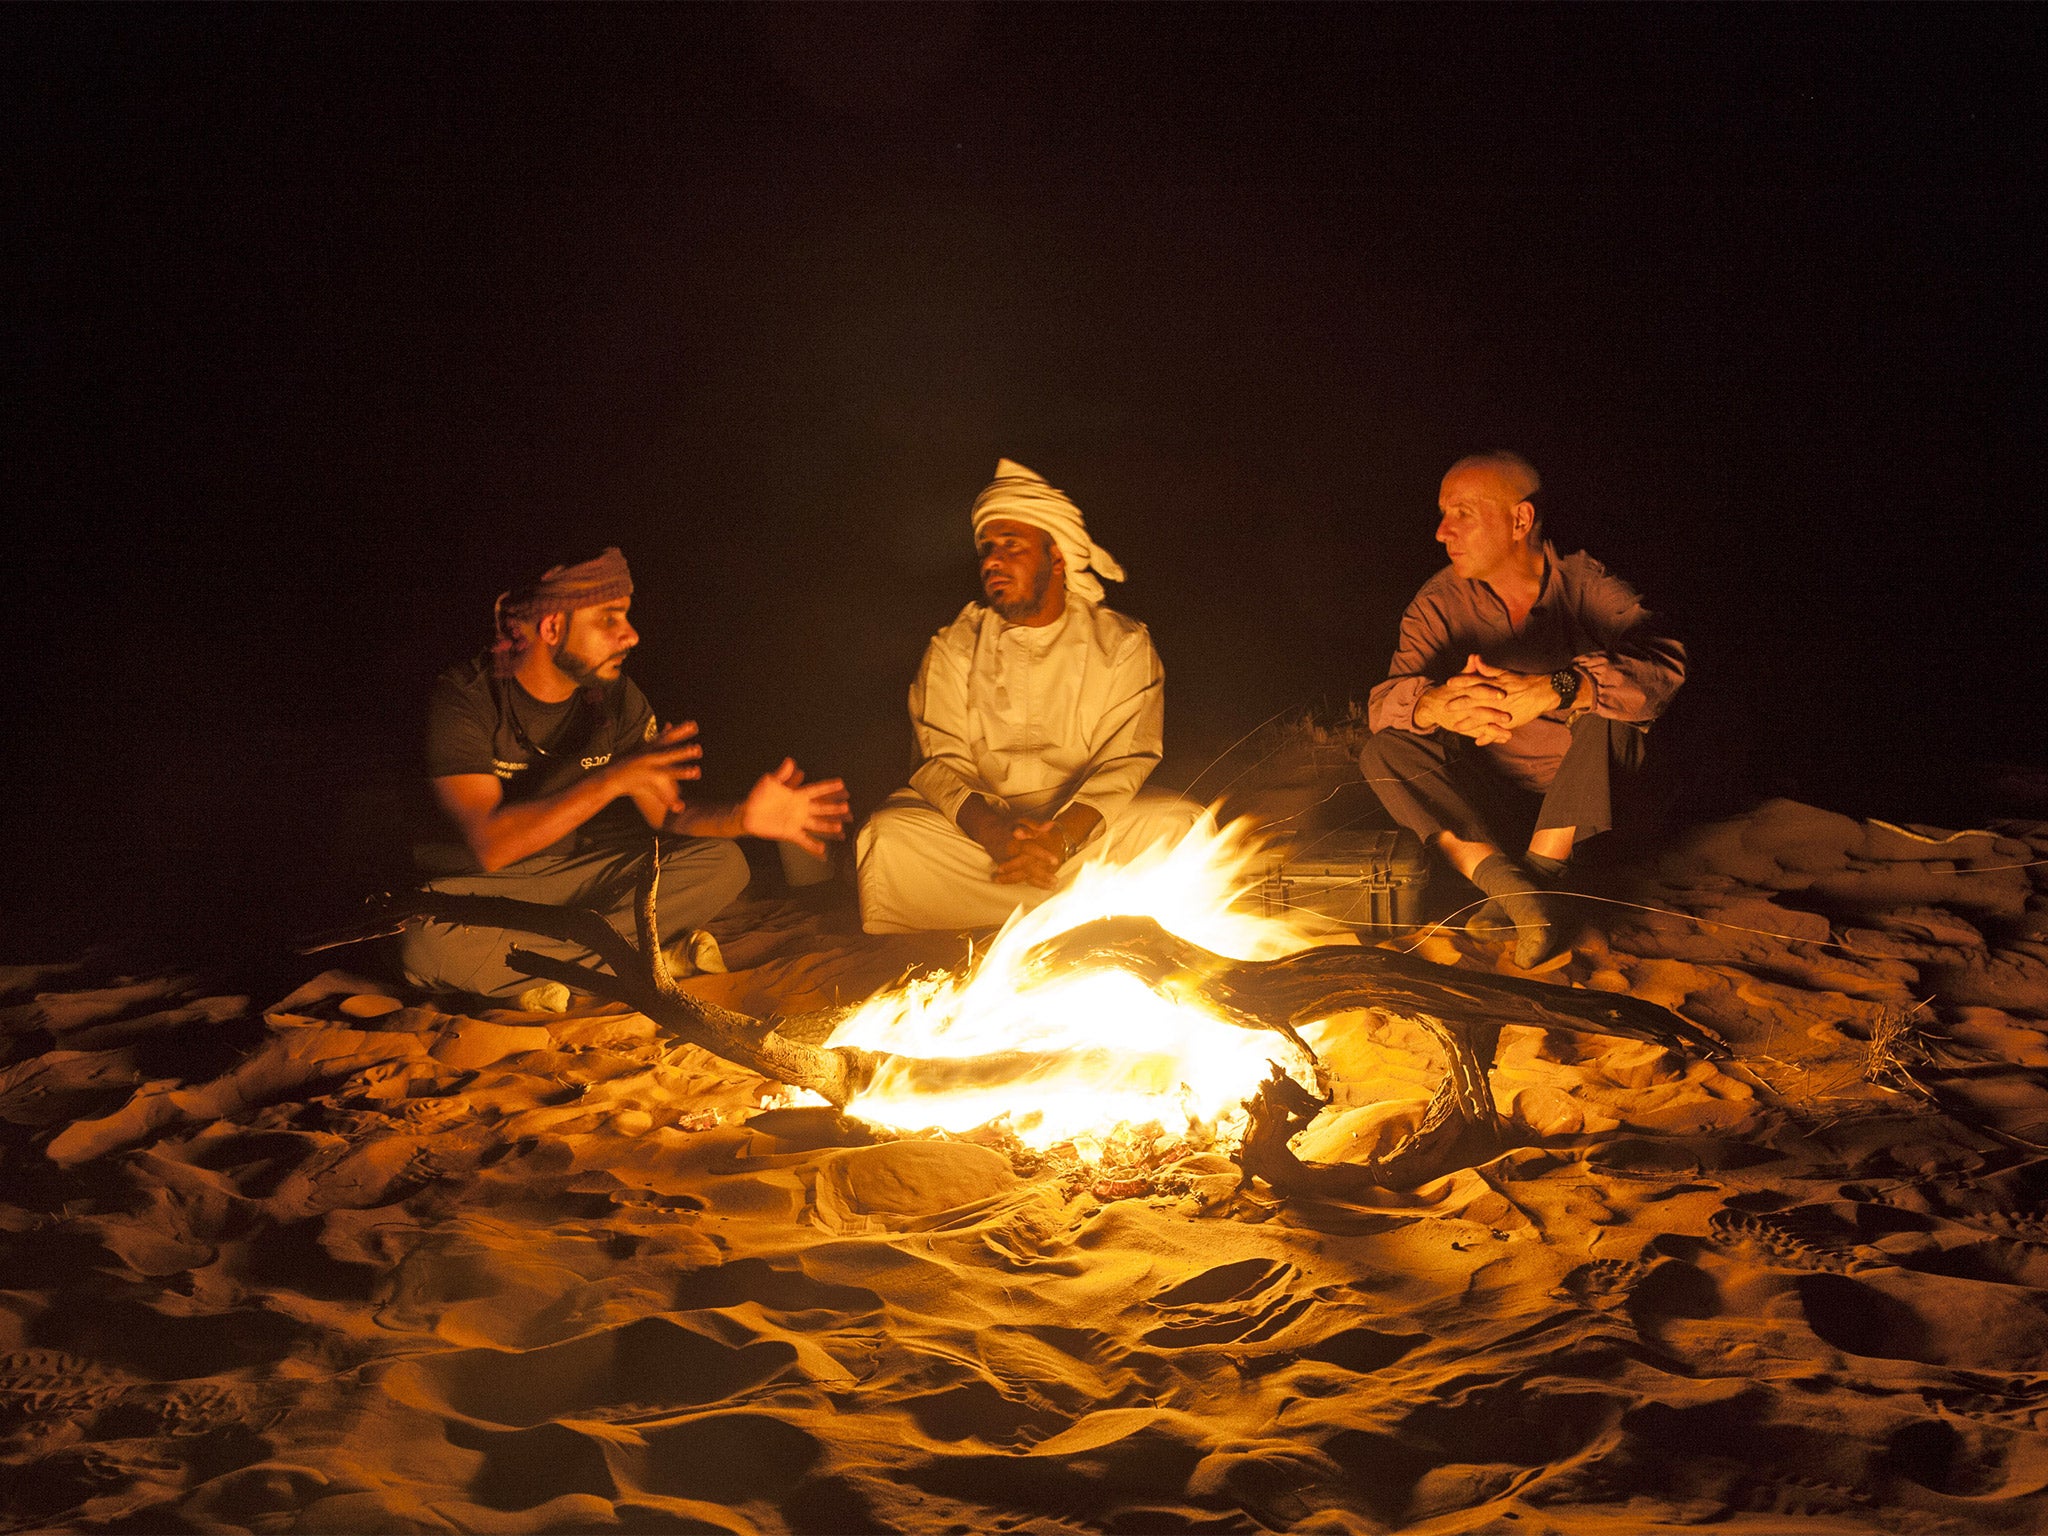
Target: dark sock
1508, 884
1489, 922
1545, 868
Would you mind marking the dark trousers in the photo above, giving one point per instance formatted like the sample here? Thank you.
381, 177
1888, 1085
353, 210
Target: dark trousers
699, 878
1443, 782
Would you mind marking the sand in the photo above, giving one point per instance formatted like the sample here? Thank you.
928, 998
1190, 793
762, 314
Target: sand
350, 1263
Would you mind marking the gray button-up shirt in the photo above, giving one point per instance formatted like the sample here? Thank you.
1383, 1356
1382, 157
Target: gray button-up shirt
1584, 617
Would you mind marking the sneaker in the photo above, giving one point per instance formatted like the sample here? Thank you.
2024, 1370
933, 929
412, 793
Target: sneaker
696, 953
705, 953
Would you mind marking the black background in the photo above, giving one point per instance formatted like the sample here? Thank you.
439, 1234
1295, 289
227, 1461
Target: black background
324, 325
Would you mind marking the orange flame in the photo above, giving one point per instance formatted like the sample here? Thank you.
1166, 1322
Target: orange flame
1070, 1057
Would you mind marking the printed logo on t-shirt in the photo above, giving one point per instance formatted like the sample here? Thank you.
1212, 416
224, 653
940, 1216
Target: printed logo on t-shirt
505, 770
597, 762
648, 734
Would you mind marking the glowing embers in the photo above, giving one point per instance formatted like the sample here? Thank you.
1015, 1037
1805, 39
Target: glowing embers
1068, 1056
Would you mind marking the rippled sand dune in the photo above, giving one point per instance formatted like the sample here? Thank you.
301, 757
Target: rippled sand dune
350, 1263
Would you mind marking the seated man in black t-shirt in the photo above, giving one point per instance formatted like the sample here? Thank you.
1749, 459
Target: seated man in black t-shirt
541, 752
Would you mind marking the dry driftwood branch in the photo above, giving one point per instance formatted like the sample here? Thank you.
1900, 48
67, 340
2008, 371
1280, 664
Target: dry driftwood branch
1315, 983
1451, 1136
638, 976
1465, 1010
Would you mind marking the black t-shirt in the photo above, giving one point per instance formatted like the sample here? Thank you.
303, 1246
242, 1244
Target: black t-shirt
477, 723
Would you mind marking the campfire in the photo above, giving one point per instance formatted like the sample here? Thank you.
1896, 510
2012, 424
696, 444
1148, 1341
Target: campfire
1075, 1054
1139, 1012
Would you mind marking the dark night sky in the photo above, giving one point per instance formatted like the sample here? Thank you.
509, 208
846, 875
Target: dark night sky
322, 325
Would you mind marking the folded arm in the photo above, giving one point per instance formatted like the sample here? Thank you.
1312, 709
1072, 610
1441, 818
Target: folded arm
945, 774
1632, 669
1127, 736
1421, 661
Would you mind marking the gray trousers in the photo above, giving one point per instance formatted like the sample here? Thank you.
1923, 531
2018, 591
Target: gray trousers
1442, 782
699, 878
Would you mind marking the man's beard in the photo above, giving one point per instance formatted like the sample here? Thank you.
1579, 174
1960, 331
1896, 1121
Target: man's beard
583, 674
1018, 608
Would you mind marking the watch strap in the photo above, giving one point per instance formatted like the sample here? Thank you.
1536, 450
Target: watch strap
1566, 681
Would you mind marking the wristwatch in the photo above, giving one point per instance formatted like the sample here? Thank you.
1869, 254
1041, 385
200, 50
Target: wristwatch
1566, 682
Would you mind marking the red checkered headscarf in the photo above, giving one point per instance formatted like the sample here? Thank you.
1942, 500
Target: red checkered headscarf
561, 590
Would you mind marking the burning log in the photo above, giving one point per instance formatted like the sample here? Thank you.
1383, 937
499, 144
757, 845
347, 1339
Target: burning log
1459, 1127
1315, 983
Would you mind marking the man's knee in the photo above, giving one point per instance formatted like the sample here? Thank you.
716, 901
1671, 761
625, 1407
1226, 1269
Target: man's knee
449, 957
1153, 817
1625, 742
1392, 760
1392, 749
705, 873
911, 863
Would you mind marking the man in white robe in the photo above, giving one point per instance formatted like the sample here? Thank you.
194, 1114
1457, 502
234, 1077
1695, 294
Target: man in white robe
1038, 716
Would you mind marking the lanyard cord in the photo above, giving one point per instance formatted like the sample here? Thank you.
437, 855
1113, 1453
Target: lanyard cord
509, 712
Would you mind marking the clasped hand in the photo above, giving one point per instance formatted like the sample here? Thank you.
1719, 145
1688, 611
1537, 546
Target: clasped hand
1032, 853
1487, 703
1026, 850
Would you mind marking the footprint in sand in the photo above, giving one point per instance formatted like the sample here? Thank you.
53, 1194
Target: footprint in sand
1121, 1459
1363, 1350
1969, 1461
1603, 1284
1669, 1291
1893, 1314
1795, 1239
981, 1411
162, 1344
525, 1467
1511, 1424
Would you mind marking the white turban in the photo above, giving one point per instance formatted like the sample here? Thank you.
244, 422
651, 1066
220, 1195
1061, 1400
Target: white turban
1021, 496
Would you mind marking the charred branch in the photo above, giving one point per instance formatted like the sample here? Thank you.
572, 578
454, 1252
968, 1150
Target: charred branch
1300, 988
1464, 1010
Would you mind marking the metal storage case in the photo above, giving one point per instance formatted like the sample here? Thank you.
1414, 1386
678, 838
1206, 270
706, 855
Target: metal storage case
1371, 881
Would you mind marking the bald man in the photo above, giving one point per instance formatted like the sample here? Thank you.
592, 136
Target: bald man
1038, 716
1520, 674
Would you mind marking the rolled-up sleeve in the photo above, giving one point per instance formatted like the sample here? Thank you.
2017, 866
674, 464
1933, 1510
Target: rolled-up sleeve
1418, 665
945, 774
1633, 666
1129, 732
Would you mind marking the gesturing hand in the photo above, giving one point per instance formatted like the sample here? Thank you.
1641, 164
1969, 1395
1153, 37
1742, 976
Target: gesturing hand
657, 769
783, 807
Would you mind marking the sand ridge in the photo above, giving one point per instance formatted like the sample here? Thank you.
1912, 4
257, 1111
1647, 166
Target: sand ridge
356, 1264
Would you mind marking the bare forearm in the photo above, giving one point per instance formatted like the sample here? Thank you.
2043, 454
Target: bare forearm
978, 819
515, 832
707, 821
1078, 823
